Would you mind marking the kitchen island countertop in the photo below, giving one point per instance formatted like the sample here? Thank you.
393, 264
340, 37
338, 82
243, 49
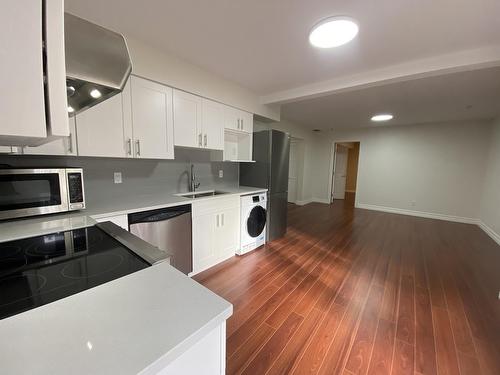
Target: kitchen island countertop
136, 324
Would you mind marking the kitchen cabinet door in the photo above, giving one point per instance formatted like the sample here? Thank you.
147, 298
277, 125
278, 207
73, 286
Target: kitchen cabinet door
227, 233
152, 119
61, 146
213, 125
22, 108
246, 121
187, 119
231, 118
204, 255
236, 119
100, 129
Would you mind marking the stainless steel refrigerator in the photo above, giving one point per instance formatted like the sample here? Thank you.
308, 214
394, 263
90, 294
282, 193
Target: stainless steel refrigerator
271, 151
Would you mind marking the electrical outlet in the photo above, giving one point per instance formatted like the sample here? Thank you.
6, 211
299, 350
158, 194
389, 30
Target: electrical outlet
221, 173
117, 176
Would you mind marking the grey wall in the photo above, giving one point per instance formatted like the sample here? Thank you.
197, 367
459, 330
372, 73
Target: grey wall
139, 176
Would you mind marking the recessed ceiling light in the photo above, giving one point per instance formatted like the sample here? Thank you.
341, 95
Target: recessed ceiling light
333, 32
70, 109
382, 117
96, 94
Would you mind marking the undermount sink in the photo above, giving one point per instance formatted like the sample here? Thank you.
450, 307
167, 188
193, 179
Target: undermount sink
202, 194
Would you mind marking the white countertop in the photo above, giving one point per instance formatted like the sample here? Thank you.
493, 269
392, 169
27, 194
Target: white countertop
122, 327
12, 230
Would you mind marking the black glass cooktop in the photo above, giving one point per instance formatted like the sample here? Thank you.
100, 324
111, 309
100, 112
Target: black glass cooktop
39, 270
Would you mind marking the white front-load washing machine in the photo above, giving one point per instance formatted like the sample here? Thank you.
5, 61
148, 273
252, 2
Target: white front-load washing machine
253, 222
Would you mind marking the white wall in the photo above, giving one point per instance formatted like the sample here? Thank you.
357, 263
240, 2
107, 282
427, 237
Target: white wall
490, 202
439, 167
151, 63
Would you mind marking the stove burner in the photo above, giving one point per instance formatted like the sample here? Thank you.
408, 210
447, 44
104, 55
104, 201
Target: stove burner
9, 252
48, 246
22, 285
92, 266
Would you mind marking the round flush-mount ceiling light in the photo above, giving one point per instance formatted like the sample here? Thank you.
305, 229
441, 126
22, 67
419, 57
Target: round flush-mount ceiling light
382, 117
333, 32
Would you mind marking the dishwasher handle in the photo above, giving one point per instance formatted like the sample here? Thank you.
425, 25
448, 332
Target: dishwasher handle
158, 215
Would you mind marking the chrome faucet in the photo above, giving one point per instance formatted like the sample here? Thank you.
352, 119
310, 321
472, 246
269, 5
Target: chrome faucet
192, 180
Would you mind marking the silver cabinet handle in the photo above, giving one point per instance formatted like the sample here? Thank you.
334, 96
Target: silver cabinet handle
70, 139
138, 147
129, 146
199, 140
217, 220
205, 140
238, 123
222, 220
242, 124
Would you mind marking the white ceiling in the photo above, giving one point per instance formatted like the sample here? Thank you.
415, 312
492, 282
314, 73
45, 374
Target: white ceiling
461, 96
263, 45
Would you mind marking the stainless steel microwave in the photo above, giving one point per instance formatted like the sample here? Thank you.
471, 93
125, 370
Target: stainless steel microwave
29, 192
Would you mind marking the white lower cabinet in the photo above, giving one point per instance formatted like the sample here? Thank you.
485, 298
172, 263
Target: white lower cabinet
207, 356
216, 231
120, 220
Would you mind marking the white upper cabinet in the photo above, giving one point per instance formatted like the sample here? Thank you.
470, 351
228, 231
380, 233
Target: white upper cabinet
187, 120
100, 130
198, 122
213, 124
23, 107
152, 119
236, 119
246, 122
60, 146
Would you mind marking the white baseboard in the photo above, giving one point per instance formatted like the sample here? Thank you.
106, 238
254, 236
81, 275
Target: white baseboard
321, 200
304, 202
429, 215
311, 200
490, 232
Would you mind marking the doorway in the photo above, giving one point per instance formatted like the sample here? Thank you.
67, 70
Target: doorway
345, 171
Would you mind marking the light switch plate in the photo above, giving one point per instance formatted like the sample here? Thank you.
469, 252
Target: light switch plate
221, 173
117, 176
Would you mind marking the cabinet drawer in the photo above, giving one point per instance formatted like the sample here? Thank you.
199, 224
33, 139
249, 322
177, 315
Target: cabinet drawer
215, 205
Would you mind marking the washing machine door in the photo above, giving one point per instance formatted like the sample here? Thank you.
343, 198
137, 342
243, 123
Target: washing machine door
256, 221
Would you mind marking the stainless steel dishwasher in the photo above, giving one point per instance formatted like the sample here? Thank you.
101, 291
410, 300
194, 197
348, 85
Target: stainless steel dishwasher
169, 229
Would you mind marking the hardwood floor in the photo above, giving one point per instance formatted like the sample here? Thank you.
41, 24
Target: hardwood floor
351, 291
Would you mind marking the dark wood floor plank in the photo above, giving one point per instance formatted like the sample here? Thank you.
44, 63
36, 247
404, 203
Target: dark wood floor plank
405, 330
238, 362
291, 353
269, 352
381, 359
361, 350
425, 350
390, 301
447, 360
402, 363
305, 303
468, 365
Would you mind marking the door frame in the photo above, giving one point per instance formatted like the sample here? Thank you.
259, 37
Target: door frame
331, 175
299, 144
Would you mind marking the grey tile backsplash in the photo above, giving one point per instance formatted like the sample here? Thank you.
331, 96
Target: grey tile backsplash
139, 176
